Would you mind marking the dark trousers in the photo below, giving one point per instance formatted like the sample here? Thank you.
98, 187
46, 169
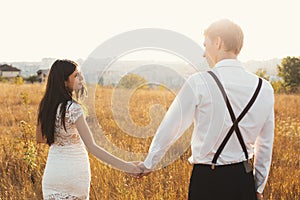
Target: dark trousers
228, 182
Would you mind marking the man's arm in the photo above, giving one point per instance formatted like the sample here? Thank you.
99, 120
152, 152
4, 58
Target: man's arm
177, 119
263, 152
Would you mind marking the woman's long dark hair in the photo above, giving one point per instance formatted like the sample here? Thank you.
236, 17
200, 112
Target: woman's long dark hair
56, 93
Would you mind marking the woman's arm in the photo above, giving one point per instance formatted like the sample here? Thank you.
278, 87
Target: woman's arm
39, 135
100, 153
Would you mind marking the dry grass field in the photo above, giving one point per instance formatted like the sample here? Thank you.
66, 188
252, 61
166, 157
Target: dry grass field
22, 161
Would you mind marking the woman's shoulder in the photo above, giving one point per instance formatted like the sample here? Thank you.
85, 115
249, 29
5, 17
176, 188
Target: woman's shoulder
75, 110
73, 104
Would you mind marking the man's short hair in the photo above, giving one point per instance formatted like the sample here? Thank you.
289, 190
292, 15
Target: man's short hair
229, 32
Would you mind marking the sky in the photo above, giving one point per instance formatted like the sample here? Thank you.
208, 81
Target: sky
35, 29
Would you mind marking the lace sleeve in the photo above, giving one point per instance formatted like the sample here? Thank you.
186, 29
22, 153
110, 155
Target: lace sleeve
75, 112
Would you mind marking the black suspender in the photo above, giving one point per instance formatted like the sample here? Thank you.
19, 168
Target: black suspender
235, 125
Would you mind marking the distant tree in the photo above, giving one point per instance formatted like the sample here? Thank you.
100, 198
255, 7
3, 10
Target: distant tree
2, 79
278, 86
263, 74
289, 70
132, 81
18, 80
101, 81
32, 79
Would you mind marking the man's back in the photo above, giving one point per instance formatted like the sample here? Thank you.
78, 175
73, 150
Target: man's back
212, 118
213, 121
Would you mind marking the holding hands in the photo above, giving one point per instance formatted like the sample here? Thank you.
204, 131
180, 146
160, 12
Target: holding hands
141, 170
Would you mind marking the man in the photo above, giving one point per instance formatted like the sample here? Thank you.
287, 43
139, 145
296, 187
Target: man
233, 115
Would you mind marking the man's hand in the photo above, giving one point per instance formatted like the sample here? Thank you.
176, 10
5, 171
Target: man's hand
259, 196
141, 170
145, 171
136, 172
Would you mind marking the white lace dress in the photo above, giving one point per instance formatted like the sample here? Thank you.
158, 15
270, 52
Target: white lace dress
67, 172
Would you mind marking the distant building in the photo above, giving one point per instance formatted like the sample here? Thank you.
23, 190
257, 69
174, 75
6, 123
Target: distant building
42, 74
8, 71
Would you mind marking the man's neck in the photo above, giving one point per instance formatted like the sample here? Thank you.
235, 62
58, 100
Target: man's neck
226, 55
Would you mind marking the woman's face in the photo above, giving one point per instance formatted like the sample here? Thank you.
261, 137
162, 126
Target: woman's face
74, 81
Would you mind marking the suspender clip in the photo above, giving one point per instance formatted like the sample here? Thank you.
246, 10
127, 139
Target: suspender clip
213, 166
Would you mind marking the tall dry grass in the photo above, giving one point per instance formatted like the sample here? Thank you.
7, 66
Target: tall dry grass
22, 161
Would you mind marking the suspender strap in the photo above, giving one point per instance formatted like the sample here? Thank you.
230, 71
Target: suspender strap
235, 121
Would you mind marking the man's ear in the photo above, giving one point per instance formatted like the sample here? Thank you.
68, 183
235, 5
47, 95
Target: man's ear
219, 42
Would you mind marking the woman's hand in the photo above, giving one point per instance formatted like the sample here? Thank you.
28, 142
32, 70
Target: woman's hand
143, 171
133, 169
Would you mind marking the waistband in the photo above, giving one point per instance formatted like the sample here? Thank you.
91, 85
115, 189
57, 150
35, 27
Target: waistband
218, 166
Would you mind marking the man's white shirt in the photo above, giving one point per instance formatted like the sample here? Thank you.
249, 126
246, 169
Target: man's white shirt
200, 101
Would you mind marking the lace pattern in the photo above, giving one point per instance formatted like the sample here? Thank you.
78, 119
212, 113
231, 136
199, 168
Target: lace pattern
67, 172
63, 196
69, 136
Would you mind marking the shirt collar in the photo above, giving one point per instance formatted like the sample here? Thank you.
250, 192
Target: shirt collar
229, 63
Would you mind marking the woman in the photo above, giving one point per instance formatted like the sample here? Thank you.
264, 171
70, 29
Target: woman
62, 125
